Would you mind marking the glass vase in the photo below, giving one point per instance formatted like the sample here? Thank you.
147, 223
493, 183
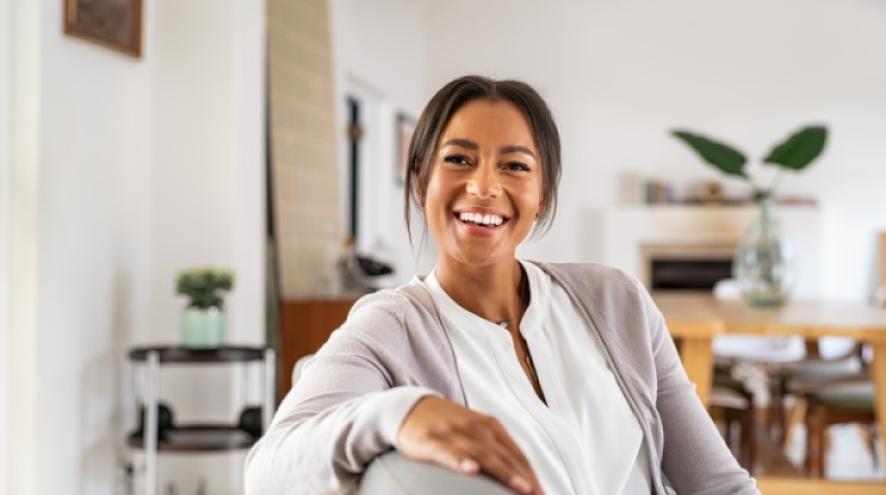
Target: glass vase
764, 262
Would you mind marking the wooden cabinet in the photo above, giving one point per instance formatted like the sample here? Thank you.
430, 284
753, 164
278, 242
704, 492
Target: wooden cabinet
306, 324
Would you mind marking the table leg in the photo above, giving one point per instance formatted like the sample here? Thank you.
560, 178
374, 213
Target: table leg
698, 361
878, 371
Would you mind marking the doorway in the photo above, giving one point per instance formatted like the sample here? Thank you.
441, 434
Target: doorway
365, 155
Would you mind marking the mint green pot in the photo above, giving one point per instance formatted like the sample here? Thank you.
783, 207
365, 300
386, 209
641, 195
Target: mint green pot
203, 328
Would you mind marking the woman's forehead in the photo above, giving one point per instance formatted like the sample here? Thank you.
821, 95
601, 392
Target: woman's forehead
482, 121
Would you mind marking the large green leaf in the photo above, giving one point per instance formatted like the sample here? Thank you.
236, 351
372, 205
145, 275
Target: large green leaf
800, 149
727, 159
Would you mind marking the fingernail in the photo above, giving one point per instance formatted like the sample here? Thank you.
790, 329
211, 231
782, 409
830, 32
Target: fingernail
469, 466
520, 484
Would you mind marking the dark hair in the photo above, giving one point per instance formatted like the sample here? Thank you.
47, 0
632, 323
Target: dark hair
454, 95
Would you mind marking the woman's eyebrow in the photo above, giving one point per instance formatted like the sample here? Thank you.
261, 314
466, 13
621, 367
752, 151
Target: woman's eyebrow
466, 143
517, 149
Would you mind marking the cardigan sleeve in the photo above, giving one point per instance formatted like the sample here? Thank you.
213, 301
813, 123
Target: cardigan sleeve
340, 415
695, 458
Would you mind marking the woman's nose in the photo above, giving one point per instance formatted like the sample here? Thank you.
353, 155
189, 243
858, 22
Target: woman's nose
484, 184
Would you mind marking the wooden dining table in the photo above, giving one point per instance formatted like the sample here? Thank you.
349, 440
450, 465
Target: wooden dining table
697, 318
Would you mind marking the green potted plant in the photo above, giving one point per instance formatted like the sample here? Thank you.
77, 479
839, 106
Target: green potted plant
203, 322
763, 263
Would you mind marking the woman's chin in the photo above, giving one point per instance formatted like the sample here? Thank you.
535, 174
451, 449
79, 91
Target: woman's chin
476, 255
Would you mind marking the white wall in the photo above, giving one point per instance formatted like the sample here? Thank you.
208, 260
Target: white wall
207, 199
379, 54
207, 153
619, 74
94, 250
125, 171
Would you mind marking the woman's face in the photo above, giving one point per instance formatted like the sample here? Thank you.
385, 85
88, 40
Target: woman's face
485, 188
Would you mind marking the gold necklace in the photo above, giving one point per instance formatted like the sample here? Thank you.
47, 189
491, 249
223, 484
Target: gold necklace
528, 357
524, 296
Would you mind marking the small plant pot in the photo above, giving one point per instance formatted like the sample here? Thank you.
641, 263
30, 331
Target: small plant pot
203, 328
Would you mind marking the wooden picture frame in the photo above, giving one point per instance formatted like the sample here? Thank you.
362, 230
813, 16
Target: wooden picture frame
403, 134
116, 24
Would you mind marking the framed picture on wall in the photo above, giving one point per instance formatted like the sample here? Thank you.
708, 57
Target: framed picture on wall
116, 24
403, 134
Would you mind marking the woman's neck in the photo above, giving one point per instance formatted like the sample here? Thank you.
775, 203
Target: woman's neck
493, 292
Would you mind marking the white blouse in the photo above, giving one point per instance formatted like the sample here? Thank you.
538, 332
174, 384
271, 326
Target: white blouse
585, 440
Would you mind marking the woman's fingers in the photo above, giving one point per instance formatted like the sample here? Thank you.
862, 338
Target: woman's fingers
501, 467
494, 433
462, 440
496, 460
453, 458
502, 437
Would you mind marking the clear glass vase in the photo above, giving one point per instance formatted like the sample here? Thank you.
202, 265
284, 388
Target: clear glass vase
764, 261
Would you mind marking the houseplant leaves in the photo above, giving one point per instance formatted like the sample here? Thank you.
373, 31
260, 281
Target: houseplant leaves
800, 149
727, 159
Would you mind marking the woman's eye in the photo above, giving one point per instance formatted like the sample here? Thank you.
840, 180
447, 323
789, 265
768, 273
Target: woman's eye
457, 159
516, 166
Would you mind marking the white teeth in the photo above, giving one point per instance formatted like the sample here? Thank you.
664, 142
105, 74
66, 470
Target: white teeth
480, 219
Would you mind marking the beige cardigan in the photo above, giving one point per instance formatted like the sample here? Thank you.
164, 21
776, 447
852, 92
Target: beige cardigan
347, 407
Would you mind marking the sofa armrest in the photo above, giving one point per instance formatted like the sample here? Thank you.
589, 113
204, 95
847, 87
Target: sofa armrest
395, 474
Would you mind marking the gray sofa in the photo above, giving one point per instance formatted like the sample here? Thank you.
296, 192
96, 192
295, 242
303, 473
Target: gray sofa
394, 474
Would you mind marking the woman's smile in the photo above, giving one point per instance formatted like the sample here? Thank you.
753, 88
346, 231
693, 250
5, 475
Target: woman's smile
480, 222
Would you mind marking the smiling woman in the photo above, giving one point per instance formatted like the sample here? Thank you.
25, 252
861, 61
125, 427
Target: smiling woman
547, 378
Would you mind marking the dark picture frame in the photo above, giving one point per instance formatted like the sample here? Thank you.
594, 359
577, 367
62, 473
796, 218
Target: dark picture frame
115, 24
403, 135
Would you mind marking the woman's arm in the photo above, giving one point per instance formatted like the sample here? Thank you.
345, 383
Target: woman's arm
695, 458
341, 414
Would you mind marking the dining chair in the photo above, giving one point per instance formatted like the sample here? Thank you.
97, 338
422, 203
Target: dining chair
848, 399
848, 402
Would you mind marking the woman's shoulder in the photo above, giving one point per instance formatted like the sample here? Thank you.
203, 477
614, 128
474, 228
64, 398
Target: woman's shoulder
590, 276
396, 329
396, 303
389, 312
606, 289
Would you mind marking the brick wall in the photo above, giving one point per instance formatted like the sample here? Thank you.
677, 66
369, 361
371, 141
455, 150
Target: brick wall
303, 142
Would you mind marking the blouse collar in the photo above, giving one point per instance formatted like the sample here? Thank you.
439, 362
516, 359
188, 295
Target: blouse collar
539, 292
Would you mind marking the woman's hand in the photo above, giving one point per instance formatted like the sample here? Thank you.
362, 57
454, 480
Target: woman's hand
445, 433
